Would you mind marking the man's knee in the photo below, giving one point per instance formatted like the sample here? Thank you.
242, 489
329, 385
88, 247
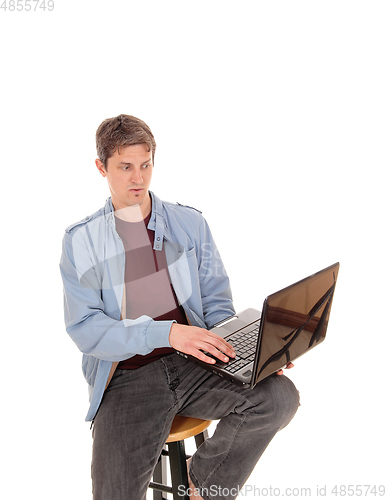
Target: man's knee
292, 400
282, 398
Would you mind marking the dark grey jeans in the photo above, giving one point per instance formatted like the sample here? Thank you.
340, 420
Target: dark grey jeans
136, 413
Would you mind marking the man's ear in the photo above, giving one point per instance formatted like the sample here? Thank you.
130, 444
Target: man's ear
101, 167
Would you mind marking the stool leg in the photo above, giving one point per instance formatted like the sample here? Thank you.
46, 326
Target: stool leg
200, 438
160, 476
179, 475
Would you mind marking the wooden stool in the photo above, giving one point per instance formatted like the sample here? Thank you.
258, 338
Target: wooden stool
182, 428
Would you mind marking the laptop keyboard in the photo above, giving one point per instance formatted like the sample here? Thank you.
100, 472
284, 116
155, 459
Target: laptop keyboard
244, 343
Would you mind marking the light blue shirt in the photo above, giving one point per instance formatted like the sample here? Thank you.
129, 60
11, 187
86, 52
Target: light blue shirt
93, 265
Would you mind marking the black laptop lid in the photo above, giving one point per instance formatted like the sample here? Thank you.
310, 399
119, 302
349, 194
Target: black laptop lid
294, 320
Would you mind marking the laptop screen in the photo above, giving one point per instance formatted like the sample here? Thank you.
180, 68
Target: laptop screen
294, 320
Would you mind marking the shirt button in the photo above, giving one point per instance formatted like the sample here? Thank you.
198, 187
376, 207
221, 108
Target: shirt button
158, 239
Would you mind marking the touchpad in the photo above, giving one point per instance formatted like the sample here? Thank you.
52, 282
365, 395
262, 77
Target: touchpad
233, 325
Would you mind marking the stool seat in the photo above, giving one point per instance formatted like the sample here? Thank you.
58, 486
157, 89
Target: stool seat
186, 427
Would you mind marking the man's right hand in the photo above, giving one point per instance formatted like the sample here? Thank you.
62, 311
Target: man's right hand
194, 340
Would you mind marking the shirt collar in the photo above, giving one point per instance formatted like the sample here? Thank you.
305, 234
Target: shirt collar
156, 222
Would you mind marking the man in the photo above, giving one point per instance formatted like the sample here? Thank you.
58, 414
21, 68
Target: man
142, 279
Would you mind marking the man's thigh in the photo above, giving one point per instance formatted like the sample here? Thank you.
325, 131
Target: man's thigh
130, 428
202, 394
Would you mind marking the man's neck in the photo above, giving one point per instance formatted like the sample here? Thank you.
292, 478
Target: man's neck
134, 213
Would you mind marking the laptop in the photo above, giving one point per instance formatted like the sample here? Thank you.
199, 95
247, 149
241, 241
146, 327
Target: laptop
293, 321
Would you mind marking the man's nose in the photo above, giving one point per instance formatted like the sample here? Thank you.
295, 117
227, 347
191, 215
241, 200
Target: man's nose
137, 176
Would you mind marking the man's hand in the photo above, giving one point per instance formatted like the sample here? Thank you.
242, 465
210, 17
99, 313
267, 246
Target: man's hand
288, 365
193, 340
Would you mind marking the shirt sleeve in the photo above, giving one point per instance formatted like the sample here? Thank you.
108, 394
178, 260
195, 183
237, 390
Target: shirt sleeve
214, 282
96, 333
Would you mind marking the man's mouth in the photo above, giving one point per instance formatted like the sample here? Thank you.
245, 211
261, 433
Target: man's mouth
136, 190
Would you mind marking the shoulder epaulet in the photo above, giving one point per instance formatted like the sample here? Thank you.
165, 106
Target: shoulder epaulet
192, 208
79, 223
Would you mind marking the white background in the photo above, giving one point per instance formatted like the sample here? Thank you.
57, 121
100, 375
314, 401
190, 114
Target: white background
270, 118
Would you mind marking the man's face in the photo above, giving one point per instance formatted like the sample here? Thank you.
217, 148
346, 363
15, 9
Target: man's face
129, 174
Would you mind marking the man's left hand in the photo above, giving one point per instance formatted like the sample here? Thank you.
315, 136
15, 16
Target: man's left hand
287, 367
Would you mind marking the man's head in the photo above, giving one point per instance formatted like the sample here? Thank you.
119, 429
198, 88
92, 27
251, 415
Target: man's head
121, 131
126, 149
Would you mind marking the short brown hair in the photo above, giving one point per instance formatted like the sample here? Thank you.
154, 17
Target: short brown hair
122, 131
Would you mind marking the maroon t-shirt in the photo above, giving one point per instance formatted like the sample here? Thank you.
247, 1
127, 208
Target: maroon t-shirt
147, 284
